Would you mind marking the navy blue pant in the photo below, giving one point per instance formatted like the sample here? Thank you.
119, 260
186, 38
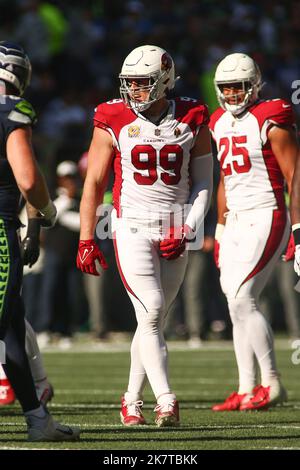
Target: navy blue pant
12, 325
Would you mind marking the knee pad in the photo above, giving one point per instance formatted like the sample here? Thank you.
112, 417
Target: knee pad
241, 308
148, 301
150, 323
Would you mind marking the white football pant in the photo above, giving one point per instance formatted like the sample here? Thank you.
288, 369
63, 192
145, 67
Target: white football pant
152, 284
251, 244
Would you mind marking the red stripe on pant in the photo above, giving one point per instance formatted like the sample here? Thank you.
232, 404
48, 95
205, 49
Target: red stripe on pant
126, 285
274, 239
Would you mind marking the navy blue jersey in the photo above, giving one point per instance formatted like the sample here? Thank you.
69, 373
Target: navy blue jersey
15, 112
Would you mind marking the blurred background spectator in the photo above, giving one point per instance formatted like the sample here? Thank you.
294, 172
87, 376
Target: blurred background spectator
77, 48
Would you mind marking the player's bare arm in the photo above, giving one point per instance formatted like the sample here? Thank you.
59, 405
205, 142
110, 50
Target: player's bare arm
285, 148
99, 163
295, 194
221, 200
25, 169
221, 209
31, 211
295, 213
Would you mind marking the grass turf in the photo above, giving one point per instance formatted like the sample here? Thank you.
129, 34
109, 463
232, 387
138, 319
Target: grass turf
88, 387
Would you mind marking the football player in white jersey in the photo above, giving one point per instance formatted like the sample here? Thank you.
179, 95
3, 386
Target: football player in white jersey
161, 156
257, 150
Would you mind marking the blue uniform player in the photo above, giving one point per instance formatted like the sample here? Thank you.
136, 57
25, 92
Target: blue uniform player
19, 174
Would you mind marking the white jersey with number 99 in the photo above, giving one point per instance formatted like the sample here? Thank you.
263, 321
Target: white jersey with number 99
151, 162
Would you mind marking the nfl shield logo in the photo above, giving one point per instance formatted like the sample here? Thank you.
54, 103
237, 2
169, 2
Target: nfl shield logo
157, 132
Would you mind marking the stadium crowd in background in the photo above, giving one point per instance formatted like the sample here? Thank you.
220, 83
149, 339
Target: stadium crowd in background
76, 49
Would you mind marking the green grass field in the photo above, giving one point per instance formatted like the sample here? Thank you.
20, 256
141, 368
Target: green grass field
88, 386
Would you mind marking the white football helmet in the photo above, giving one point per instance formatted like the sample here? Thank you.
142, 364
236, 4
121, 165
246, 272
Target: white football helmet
152, 63
238, 68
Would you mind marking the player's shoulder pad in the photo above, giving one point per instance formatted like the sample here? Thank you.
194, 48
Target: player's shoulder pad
22, 113
215, 116
278, 111
106, 112
191, 111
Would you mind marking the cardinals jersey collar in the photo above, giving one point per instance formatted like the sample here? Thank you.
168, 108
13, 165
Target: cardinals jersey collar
165, 116
244, 114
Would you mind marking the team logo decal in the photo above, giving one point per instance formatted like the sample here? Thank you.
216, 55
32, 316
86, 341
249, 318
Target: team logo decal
134, 131
166, 62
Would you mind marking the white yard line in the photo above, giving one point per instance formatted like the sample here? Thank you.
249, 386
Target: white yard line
35, 448
116, 347
187, 427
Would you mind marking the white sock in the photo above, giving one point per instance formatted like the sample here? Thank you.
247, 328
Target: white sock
2, 373
137, 375
38, 413
244, 357
153, 351
34, 355
261, 338
131, 397
166, 398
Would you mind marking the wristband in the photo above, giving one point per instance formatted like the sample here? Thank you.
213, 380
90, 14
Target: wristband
49, 210
219, 232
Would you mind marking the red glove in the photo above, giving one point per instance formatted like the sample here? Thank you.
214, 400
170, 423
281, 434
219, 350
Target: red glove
290, 250
173, 245
216, 253
87, 255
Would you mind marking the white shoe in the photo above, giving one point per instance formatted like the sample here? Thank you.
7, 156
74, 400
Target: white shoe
46, 429
167, 414
65, 343
44, 391
195, 342
43, 339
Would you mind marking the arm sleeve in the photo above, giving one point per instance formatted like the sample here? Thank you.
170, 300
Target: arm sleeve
201, 191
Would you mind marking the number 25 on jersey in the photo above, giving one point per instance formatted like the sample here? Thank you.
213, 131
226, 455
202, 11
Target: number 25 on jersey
240, 161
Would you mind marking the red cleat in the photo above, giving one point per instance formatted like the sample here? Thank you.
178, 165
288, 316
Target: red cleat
265, 397
167, 414
7, 395
232, 403
131, 413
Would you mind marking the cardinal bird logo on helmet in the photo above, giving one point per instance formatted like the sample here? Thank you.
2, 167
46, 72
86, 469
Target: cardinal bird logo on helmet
166, 62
